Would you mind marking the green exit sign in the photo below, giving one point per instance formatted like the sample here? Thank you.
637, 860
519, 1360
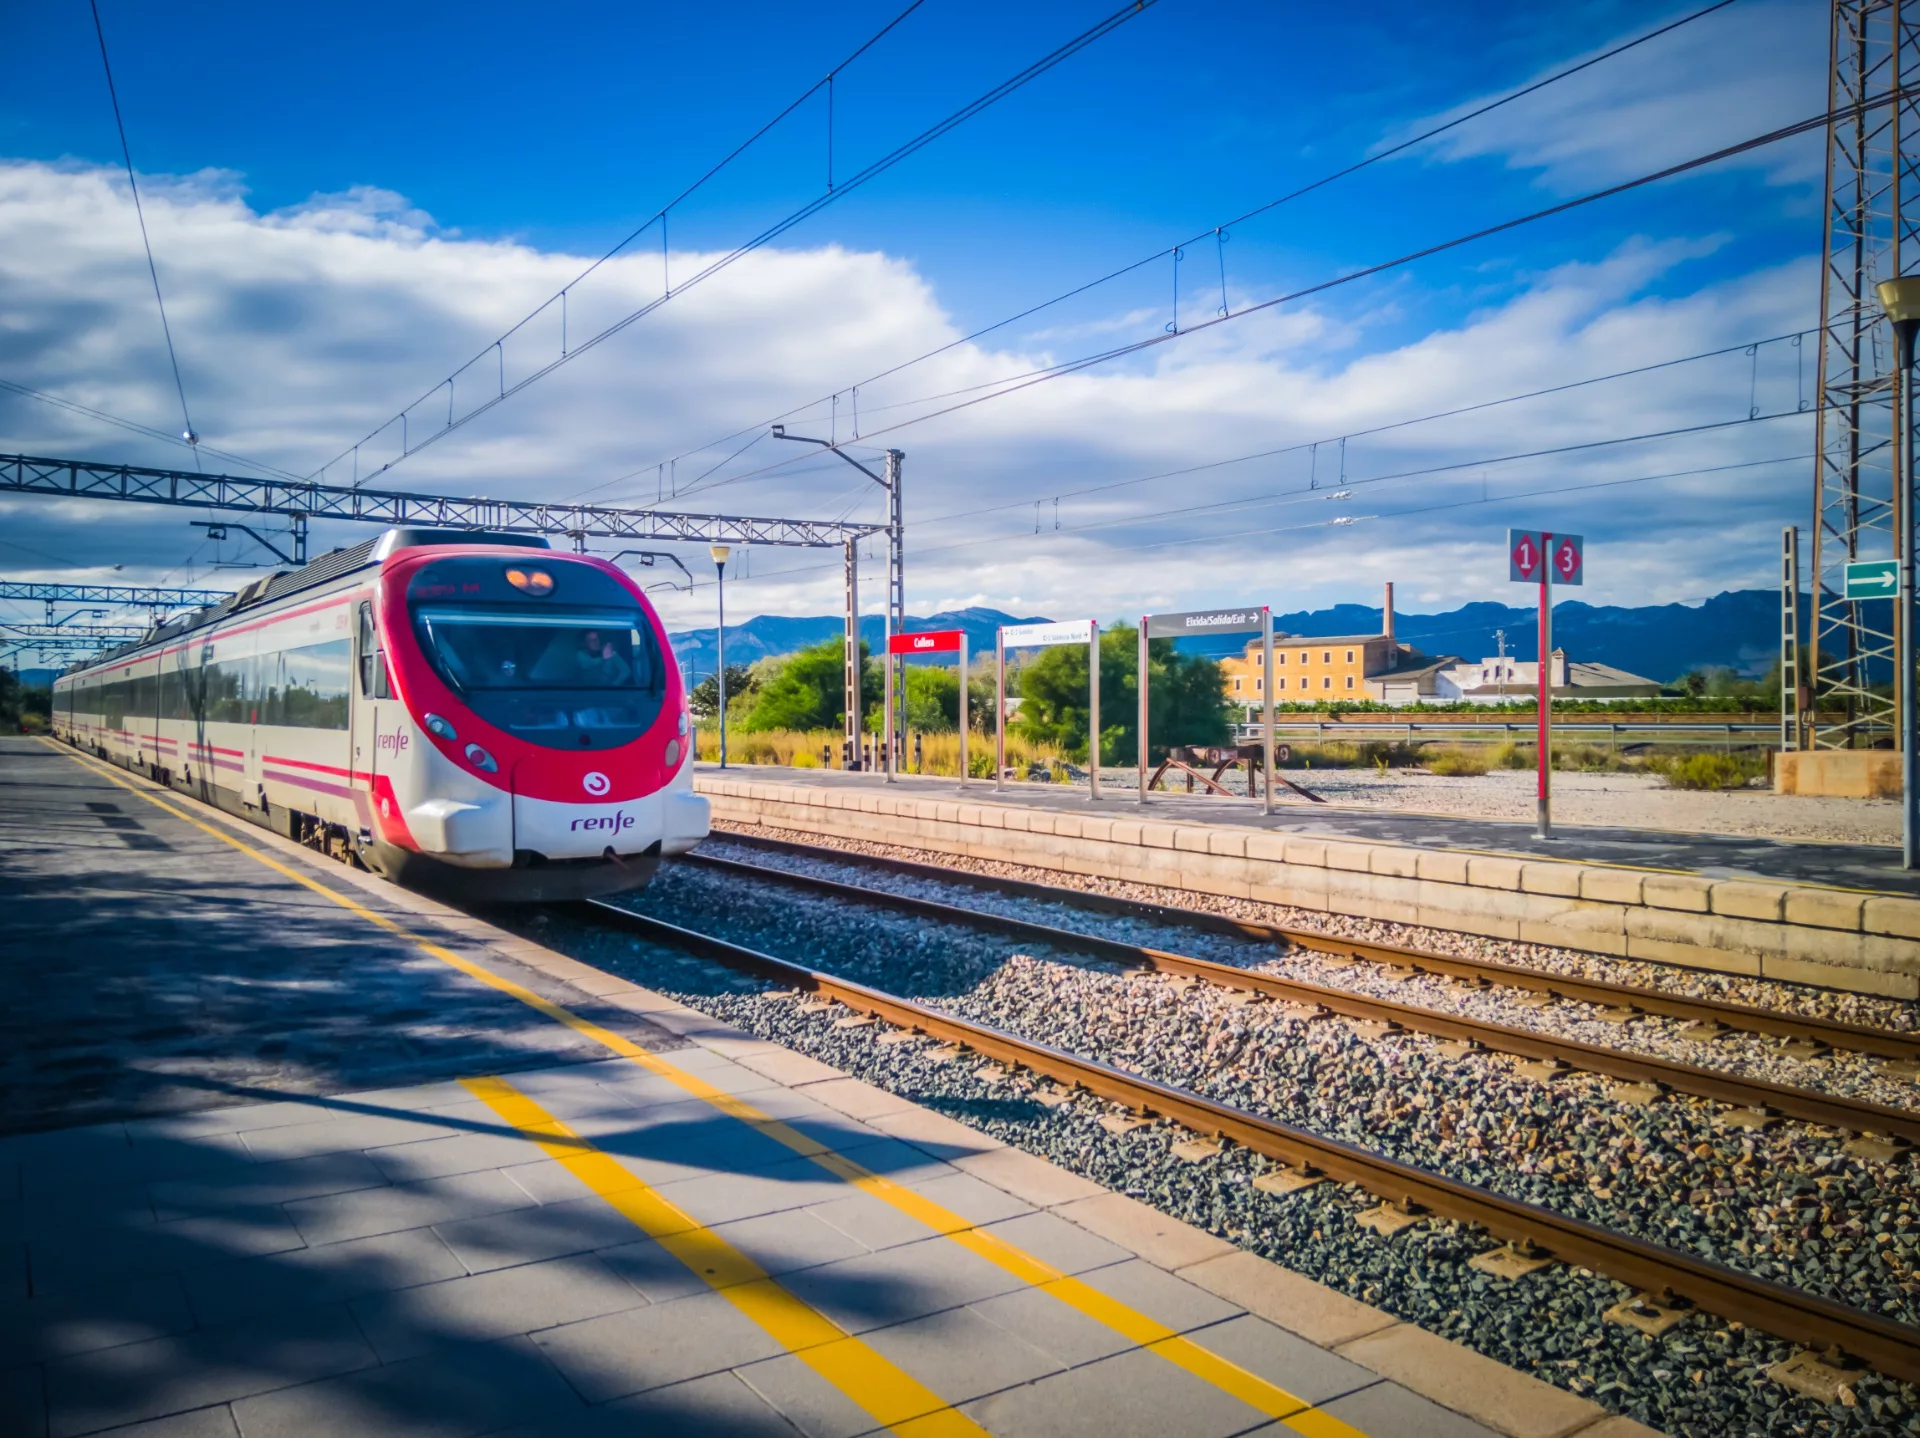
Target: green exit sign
1873, 579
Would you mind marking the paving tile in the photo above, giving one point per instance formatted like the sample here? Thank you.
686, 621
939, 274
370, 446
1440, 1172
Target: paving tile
528, 1235
856, 1098
265, 1183
1314, 1311
1057, 1243
1303, 1369
412, 1321
1043, 1321
870, 1221
413, 1098
444, 1157
1143, 1230
87, 1258
805, 1399
1028, 1177
23, 1403
1460, 1379
725, 1196
897, 1285
452, 1393
658, 1275
365, 1212
331, 1273
784, 1242
136, 1381
126, 1205
338, 1135
81, 1319
838, 1131
717, 1406
214, 1422
971, 1198
790, 1068
644, 1348
105, 1165
961, 1355
1158, 1294
1131, 1395
935, 1133
1386, 1410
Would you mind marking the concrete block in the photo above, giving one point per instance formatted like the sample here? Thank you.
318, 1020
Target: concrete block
1069, 826
1190, 838
1355, 858
1893, 985
1488, 873
1143, 1230
1610, 886
1550, 878
1228, 843
1825, 908
1097, 830
1688, 892
1297, 1303
1766, 902
1156, 836
1460, 1379
1441, 867
1126, 831
1269, 848
1394, 863
1309, 853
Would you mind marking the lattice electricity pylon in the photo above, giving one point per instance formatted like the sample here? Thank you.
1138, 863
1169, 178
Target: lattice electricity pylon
1873, 163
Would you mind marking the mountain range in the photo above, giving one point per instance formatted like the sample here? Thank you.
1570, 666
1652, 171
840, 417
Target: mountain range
1736, 629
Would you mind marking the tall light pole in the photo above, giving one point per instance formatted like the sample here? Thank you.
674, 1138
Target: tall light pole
720, 553
1900, 298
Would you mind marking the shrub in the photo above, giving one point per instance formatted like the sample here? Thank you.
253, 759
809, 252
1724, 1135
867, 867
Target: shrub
1708, 771
1514, 756
1461, 763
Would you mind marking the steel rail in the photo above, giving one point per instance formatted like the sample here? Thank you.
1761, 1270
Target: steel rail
1852, 1115
1803, 1318
1831, 1033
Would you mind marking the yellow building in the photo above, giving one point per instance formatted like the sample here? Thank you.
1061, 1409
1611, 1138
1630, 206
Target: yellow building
1320, 669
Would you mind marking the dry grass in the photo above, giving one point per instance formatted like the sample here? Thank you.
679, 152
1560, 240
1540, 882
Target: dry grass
939, 753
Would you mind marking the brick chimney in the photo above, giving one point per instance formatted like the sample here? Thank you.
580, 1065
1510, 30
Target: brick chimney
1386, 614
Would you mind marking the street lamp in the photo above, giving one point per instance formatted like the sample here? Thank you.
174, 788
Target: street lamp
1900, 297
720, 553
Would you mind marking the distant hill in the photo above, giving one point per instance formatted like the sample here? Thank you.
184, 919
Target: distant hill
772, 634
1738, 629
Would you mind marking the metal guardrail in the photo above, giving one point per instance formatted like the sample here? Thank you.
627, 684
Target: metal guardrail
1631, 730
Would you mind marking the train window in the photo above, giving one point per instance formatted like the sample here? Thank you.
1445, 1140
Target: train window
373, 659
306, 688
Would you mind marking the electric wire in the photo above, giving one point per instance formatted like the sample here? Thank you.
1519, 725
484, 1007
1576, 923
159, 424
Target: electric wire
28, 392
1375, 158
126, 156
878, 167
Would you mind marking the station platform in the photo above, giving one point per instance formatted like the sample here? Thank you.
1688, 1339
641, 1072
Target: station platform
1839, 915
289, 1151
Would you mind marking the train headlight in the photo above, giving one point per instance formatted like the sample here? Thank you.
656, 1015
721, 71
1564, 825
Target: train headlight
440, 727
683, 723
482, 760
673, 753
531, 581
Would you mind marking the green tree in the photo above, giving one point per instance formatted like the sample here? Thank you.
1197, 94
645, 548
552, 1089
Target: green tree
21, 705
806, 691
933, 698
1186, 705
704, 698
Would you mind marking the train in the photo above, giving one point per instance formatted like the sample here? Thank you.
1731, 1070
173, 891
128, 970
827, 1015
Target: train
472, 714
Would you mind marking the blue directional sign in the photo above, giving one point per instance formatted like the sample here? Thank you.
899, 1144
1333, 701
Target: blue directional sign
1873, 579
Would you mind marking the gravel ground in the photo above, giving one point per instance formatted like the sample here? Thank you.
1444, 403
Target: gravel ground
1852, 1075
1701, 1378
1627, 801
1900, 1014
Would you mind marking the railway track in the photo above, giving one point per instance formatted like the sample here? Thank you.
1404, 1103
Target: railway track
1810, 1030
1769, 1099
1675, 1277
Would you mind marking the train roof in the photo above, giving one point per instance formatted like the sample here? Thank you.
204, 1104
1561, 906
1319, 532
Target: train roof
283, 582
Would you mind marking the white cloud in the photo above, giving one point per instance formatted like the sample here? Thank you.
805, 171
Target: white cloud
300, 330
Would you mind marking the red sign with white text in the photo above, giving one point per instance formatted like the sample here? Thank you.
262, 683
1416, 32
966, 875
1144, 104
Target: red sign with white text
1525, 555
939, 641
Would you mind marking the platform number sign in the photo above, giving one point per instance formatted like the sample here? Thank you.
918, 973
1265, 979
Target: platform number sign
1529, 551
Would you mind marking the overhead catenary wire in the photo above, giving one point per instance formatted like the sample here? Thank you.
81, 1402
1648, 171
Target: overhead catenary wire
1216, 232
134, 426
766, 236
153, 272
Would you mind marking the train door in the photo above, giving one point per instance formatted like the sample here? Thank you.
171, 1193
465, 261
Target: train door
369, 688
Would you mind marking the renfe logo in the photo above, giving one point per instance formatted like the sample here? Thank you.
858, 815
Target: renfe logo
596, 783
394, 743
611, 823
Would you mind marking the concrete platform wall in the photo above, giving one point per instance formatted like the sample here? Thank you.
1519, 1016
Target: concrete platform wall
1863, 942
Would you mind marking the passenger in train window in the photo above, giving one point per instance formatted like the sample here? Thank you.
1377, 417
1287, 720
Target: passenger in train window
599, 663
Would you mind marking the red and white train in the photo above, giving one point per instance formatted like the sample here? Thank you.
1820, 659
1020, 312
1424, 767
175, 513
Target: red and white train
470, 713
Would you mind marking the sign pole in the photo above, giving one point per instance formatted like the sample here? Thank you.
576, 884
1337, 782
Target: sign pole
999, 710
963, 709
1266, 709
1093, 708
887, 727
1143, 709
1544, 706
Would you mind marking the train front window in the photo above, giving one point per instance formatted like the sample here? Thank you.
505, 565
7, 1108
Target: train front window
557, 677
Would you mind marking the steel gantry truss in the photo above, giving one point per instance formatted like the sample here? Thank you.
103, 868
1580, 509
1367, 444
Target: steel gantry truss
1873, 161
130, 596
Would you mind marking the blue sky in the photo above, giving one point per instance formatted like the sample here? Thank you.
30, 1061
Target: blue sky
348, 203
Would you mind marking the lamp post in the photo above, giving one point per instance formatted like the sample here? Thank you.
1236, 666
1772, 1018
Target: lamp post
720, 553
1900, 297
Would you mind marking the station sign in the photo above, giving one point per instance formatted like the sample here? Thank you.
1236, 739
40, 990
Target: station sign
1245, 620
1067, 631
1872, 579
937, 641
1532, 552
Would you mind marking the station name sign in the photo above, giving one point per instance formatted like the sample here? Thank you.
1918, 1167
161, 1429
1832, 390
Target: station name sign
937, 641
1206, 621
1067, 631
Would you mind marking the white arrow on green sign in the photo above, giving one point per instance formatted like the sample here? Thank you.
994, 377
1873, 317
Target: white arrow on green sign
1872, 579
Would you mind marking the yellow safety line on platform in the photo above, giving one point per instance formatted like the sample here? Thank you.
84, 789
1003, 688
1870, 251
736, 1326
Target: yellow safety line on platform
1130, 1323
894, 1397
